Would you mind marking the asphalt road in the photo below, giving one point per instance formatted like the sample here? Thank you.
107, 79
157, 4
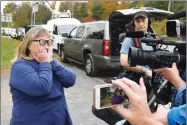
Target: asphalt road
79, 97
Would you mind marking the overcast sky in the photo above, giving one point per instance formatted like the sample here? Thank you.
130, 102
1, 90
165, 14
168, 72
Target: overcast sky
3, 3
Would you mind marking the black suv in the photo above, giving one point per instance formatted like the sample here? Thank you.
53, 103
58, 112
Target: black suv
89, 44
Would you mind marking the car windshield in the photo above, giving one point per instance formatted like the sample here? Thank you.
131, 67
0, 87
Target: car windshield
65, 28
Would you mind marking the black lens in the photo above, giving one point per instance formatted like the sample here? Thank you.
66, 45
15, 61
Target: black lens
155, 60
132, 56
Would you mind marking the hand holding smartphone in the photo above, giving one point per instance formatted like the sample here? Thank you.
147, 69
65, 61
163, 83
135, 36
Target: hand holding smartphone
108, 95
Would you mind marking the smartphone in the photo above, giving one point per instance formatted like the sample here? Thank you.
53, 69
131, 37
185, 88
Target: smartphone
107, 95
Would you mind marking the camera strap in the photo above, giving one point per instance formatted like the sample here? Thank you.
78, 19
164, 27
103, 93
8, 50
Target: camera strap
137, 43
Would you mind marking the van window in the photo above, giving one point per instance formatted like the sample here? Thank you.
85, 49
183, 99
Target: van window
65, 28
95, 31
80, 32
55, 30
73, 33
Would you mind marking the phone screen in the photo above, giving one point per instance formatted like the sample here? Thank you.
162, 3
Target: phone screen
113, 96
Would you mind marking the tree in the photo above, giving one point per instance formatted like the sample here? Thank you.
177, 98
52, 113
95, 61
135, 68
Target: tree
22, 16
53, 5
98, 10
132, 4
61, 7
157, 4
175, 5
9, 7
140, 4
87, 19
123, 5
90, 5
77, 10
178, 6
84, 10
110, 6
43, 14
67, 5
64, 6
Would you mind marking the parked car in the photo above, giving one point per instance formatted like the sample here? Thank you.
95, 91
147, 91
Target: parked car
20, 33
60, 26
89, 44
58, 32
13, 33
3, 31
97, 45
6, 31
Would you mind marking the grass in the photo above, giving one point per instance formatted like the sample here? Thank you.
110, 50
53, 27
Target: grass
8, 51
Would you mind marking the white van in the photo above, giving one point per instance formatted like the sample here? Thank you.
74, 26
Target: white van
13, 33
60, 26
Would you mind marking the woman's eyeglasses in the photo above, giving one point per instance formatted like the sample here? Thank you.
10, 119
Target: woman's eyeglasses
44, 42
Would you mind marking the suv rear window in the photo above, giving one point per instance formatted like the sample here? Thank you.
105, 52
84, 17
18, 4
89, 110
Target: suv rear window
95, 31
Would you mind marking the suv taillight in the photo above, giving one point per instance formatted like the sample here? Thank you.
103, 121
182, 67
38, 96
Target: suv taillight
106, 47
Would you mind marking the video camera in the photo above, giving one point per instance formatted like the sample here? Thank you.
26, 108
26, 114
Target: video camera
159, 58
174, 28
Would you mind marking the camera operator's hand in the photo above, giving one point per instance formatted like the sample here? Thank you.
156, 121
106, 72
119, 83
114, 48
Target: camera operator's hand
138, 112
172, 75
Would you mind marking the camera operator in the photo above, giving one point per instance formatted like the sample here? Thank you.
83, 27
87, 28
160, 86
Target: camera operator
141, 21
139, 107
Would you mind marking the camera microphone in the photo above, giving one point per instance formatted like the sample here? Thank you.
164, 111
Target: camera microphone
139, 34
177, 15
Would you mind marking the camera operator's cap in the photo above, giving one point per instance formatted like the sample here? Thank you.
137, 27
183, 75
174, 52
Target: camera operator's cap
141, 14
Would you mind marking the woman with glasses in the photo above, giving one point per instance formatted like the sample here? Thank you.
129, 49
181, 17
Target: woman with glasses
37, 83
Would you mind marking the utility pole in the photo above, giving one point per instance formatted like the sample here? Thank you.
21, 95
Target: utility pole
169, 5
72, 9
34, 10
31, 17
34, 18
31, 13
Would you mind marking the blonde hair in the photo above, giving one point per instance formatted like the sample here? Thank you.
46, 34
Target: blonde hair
32, 34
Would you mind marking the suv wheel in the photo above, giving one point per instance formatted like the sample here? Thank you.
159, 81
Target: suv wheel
63, 56
59, 51
90, 68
